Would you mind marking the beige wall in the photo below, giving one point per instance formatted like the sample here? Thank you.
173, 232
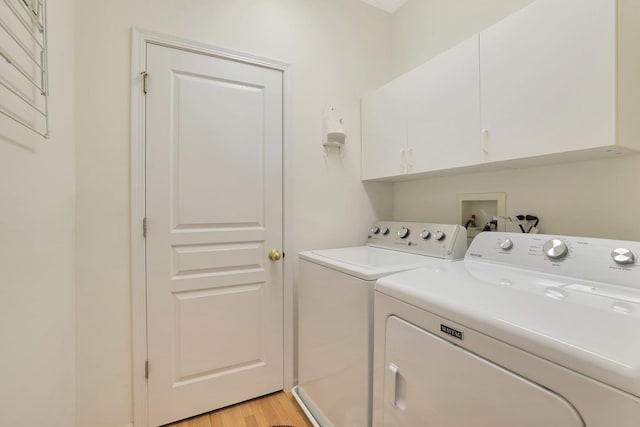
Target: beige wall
595, 198
338, 49
37, 328
423, 28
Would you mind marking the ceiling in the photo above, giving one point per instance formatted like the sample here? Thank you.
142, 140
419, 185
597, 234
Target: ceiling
387, 5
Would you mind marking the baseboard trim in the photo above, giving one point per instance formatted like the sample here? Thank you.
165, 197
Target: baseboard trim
304, 408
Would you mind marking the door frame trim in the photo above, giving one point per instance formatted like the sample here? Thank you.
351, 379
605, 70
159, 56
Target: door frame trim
140, 39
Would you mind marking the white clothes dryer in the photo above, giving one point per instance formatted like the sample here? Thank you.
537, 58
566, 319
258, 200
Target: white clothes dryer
528, 331
335, 314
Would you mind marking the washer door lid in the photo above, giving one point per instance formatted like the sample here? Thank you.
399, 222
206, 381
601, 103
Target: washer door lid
430, 381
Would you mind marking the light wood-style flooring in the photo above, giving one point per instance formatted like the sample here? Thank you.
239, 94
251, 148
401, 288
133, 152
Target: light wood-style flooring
277, 409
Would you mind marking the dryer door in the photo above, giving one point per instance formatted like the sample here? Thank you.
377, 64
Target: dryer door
431, 382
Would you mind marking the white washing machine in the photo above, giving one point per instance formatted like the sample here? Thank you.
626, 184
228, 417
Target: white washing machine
335, 314
528, 331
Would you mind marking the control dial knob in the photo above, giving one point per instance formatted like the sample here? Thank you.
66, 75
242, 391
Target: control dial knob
384, 231
403, 233
507, 244
623, 256
375, 229
555, 249
425, 234
439, 235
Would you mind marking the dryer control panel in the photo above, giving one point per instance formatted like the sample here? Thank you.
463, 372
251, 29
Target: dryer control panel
448, 241
610, 261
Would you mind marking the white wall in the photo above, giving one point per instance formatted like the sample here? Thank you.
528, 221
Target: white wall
423, 28
581, 198
339, 50
595, 198
37, 298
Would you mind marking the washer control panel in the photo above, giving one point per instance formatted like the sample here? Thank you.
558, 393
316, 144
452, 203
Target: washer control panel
611, 261
447, 241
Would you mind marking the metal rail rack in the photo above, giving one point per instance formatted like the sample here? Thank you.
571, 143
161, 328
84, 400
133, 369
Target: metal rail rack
24, 77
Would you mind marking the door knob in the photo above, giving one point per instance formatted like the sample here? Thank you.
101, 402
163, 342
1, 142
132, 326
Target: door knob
274, 255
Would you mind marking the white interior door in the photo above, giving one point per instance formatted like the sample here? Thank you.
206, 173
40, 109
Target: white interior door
214, 210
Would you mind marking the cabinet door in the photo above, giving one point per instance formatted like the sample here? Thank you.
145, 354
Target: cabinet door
444, 110
548, 80
384, 131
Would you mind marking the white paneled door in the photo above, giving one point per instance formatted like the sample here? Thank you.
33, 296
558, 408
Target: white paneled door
214, 211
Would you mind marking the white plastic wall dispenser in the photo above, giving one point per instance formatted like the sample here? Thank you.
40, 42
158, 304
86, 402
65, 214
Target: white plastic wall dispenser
333, 132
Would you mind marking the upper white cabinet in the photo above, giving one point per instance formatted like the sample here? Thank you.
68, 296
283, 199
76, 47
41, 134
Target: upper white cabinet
427, 119
444, 110
384, 131
549, 79
558, 80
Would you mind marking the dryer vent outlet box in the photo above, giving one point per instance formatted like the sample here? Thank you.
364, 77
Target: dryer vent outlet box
484, 206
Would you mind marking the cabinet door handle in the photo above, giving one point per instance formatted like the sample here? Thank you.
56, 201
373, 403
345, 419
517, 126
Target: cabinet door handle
484, 141
410, 159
